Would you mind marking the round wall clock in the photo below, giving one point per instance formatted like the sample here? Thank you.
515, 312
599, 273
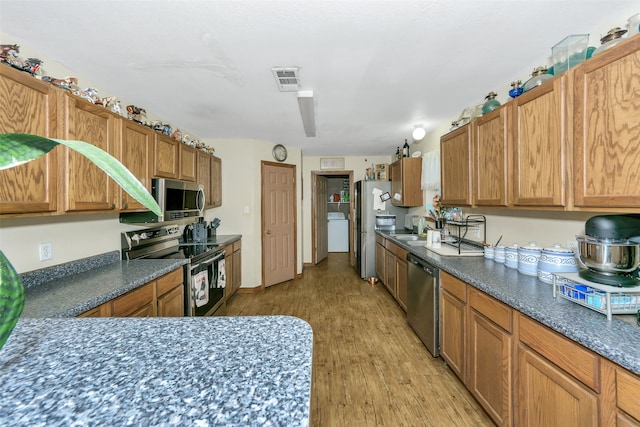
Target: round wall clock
279, 152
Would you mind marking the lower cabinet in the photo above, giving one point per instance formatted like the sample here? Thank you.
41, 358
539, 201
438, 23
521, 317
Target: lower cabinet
163, 297
233, 267
525, 374
391, 269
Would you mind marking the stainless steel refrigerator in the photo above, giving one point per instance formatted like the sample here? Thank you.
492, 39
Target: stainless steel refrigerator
365, 221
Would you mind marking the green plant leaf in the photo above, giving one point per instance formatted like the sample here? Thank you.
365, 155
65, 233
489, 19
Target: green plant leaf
11, 298
18, 148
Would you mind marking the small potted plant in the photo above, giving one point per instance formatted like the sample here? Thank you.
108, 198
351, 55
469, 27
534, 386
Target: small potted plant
438, 212
18, 148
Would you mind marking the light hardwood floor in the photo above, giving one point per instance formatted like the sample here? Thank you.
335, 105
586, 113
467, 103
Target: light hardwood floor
369, 368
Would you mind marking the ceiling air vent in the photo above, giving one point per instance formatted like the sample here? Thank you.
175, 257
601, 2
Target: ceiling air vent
286, 78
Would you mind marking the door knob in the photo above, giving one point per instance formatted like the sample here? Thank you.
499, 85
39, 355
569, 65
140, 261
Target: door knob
267, 232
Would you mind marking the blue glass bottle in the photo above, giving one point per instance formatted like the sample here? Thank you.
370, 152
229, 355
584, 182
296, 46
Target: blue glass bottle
516, 89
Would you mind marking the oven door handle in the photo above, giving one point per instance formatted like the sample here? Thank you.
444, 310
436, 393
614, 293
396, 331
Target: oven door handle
217, 257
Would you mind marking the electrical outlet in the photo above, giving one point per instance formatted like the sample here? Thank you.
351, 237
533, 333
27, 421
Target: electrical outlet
46, 251
573, 245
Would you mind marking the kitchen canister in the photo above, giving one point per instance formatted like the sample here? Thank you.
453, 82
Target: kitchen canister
556, 259
500, 254
528, 256
489, 252
511, 256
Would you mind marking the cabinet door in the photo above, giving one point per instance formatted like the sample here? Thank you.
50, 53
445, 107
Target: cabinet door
395, 173
188, 163
229, 270
136, 303
452, 333
541, 128
456, 167
103, 310
549, 397
87, 188
405, 182
237, 269
490, 368
216, 182
28, 105
204, 175
166, 157
401, 282
137, 142
607, 130
171, 304
390, 270
380, 263
491, 149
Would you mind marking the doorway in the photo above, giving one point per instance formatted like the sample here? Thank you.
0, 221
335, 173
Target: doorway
279, 220
330, 196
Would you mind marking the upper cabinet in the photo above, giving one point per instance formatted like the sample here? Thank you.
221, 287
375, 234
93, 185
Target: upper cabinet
490, 144
405, 182
28, 105
606, 151
166, 157
87, 187
216, 182
455, 167
188, 163
541, 131
136, 155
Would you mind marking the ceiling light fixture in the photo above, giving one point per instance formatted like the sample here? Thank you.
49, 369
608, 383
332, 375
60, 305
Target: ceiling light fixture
307, 111
418, 132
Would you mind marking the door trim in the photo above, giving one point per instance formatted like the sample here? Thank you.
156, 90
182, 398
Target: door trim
264, 163
314, 209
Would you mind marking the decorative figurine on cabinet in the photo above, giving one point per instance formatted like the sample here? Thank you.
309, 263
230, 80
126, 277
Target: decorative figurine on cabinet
115, 107
135, 113
7, 50
31, 65
90, 94
65, 83
177, 134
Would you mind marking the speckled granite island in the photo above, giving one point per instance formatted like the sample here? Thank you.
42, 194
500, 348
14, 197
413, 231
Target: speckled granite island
199, 371
616, 340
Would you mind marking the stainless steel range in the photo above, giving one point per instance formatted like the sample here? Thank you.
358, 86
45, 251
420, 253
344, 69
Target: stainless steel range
204, 274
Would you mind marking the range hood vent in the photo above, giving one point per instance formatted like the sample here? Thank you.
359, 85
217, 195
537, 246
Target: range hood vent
287, 78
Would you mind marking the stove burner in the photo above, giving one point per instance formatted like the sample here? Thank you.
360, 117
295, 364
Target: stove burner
612, 280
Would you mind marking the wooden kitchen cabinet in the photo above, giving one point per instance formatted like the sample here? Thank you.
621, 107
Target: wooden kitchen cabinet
166, 157
188, 163
136, 155
558, 380
405, 182
163, 297
489, 357
392, 270
491, 148
216, 182
453, 320
28, 105
204, 175
233, 267
456, 169
87, 187
606, 142
541, 131
170, 294
380, 262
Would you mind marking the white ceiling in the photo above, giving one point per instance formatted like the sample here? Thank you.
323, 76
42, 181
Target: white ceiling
376, 67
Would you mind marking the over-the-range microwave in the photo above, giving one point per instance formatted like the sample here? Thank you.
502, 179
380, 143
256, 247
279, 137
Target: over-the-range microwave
177, 200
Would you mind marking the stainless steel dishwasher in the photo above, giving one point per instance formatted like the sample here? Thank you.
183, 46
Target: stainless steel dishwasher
423, 305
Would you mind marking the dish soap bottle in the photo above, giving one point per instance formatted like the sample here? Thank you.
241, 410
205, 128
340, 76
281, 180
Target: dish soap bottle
405, 149
421, 232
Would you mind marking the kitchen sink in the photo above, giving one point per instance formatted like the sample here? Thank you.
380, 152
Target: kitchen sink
405, 236
420, 242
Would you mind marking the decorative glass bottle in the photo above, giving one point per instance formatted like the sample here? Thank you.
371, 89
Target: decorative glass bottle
491, 104
516, 89
538, 76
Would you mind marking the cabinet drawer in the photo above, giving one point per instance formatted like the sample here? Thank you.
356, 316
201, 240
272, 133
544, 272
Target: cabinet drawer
400, 253
628, 393
134, 300
380, 239
492, 309
567, 355
237, 245
169, 281
454, 286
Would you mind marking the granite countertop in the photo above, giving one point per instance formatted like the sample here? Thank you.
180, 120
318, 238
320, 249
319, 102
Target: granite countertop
200, 371
616, 340
73, 292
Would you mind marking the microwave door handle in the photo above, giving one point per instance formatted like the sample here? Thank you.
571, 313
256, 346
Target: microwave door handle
201, 199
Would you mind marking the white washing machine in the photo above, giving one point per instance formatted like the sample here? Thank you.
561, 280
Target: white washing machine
338, 232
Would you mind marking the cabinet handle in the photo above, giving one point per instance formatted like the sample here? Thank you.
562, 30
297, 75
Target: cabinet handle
113, 206
125, 206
